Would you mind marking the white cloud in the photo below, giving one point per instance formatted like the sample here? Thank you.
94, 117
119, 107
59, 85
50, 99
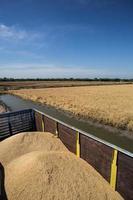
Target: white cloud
19, 53
12, 32
51, 71
15, 33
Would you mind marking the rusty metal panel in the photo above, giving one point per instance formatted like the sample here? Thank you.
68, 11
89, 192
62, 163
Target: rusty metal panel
125, 176
68, 137
97, 155
49, 125
38, 121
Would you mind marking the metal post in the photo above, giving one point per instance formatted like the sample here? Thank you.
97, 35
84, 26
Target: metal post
56, 129
43, 128
78, 144
113, 176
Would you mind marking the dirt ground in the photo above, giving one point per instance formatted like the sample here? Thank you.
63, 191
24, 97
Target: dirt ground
5, 85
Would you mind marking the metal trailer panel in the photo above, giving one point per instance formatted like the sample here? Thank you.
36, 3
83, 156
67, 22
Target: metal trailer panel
49, 125
97, 155
88, 135
38, 121
125, 176
68, 137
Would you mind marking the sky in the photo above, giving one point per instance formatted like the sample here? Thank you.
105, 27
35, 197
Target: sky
66, 38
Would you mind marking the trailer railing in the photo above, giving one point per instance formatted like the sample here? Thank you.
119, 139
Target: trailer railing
113, 163
15, 122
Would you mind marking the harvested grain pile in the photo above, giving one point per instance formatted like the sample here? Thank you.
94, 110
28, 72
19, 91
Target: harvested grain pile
38, 166
20, 144
55, 175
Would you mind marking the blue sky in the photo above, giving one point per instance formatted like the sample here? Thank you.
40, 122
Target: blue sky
66, 38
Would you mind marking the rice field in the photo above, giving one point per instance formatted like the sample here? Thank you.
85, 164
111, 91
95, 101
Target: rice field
110, 105
13, 85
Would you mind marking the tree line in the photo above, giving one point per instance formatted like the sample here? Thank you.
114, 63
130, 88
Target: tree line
66, 79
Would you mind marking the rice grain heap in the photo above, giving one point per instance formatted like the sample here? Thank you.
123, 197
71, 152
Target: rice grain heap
55, 175
38, 166
23, 143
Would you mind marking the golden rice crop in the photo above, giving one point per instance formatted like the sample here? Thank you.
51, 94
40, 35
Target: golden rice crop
112, 105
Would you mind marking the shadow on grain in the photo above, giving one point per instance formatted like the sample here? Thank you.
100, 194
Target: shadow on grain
3, 195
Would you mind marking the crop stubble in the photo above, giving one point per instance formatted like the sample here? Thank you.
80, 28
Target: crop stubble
111, 105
